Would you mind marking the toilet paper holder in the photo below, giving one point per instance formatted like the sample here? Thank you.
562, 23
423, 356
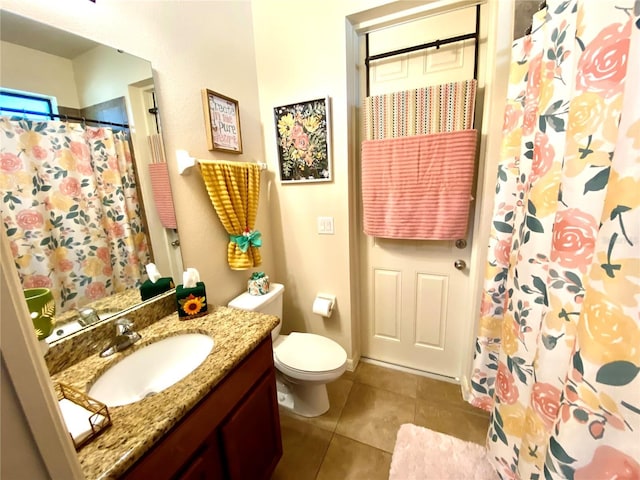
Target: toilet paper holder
324, 304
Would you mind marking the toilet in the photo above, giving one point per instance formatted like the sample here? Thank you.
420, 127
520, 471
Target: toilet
304, 362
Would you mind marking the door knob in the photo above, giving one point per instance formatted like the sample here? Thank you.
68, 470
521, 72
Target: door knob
460, 264
175, 243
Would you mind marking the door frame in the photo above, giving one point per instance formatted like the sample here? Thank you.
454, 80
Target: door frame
497, 38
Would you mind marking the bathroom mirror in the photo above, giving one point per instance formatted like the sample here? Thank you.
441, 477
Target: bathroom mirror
87, 80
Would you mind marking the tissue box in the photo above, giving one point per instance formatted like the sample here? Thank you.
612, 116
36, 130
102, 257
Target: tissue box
191, 302
258, 284
149, 289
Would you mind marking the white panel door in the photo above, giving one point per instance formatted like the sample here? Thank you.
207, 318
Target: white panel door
412, 306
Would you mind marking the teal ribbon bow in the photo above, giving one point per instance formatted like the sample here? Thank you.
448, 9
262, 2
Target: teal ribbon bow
257, 275
247, 239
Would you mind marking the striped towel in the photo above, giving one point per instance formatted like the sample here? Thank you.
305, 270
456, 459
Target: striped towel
439, 108
161, 188
418, 187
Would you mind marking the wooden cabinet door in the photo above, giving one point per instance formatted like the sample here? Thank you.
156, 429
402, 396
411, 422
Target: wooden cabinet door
251, 439
206, 465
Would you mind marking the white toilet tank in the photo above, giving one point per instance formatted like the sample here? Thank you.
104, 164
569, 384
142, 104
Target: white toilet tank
269, 303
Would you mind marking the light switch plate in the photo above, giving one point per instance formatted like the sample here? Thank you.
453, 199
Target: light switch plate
325, 225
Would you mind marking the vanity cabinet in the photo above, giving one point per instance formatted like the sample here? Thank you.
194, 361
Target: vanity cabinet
233, 433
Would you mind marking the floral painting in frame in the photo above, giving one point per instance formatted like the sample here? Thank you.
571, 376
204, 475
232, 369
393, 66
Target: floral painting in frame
303, 138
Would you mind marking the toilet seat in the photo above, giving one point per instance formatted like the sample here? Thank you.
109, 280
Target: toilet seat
307, 356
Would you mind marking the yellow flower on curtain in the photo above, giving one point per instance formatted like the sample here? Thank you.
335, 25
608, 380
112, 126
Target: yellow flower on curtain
514, 418
234, 190
605, 333
66, 159
586, 111
544, 193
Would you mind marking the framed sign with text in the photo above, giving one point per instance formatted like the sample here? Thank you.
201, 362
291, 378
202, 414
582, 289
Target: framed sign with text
222, 122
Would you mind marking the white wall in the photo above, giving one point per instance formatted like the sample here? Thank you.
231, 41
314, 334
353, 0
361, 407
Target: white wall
38, 72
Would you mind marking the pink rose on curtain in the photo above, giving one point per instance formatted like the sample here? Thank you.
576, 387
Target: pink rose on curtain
505, 385
10, 162
603, 63
38, 152
530, 118
103, 254
116, 230
85, 168
543, 154
484, 403
94, 133
112, 162
607, 462
70, 186
545, 399
574, 239
80, 151
29, 219
502, 251
65, 265
533, 82
95, 290
511, 118
37, 281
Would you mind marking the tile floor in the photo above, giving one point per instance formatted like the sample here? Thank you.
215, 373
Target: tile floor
355, 438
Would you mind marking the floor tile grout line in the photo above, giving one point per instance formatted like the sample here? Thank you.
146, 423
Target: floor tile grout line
333, 434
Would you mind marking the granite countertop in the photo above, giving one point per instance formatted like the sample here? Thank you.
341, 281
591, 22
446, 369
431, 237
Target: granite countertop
137, 426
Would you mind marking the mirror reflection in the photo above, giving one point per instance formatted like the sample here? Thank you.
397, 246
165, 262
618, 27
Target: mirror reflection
79, 131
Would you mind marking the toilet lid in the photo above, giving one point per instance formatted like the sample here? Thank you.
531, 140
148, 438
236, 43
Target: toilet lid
310, 353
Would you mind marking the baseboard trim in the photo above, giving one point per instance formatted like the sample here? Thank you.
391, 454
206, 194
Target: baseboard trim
400, 368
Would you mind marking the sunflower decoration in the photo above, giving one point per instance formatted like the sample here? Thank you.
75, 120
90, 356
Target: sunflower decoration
193, 305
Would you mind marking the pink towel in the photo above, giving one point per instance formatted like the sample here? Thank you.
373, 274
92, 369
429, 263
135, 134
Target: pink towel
418, 187
162, 194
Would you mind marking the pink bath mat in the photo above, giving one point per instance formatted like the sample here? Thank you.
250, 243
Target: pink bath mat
422, 454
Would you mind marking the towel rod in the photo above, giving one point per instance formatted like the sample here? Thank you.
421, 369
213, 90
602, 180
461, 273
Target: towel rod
186, 161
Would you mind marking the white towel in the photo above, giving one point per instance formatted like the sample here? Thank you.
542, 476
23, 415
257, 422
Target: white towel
77, 419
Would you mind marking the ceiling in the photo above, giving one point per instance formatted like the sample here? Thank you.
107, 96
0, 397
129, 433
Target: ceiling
38, 36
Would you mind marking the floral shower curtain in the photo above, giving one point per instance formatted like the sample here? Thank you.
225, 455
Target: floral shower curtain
70, 209
557, 357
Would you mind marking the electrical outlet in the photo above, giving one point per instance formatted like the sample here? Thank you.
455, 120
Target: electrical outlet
325, 225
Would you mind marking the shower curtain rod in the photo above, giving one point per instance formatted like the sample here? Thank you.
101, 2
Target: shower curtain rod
65, 117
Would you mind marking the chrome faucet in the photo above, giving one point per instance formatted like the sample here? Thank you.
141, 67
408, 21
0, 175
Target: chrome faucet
125, 337
87, 316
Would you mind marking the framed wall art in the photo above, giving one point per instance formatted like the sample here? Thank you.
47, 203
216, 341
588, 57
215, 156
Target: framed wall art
303, 139
222, 122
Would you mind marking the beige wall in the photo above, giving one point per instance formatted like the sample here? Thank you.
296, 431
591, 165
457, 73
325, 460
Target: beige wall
303, 52
300, 55
20, 455
103, 74
33, 71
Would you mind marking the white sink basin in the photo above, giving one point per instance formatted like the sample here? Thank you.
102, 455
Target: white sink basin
151, 369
